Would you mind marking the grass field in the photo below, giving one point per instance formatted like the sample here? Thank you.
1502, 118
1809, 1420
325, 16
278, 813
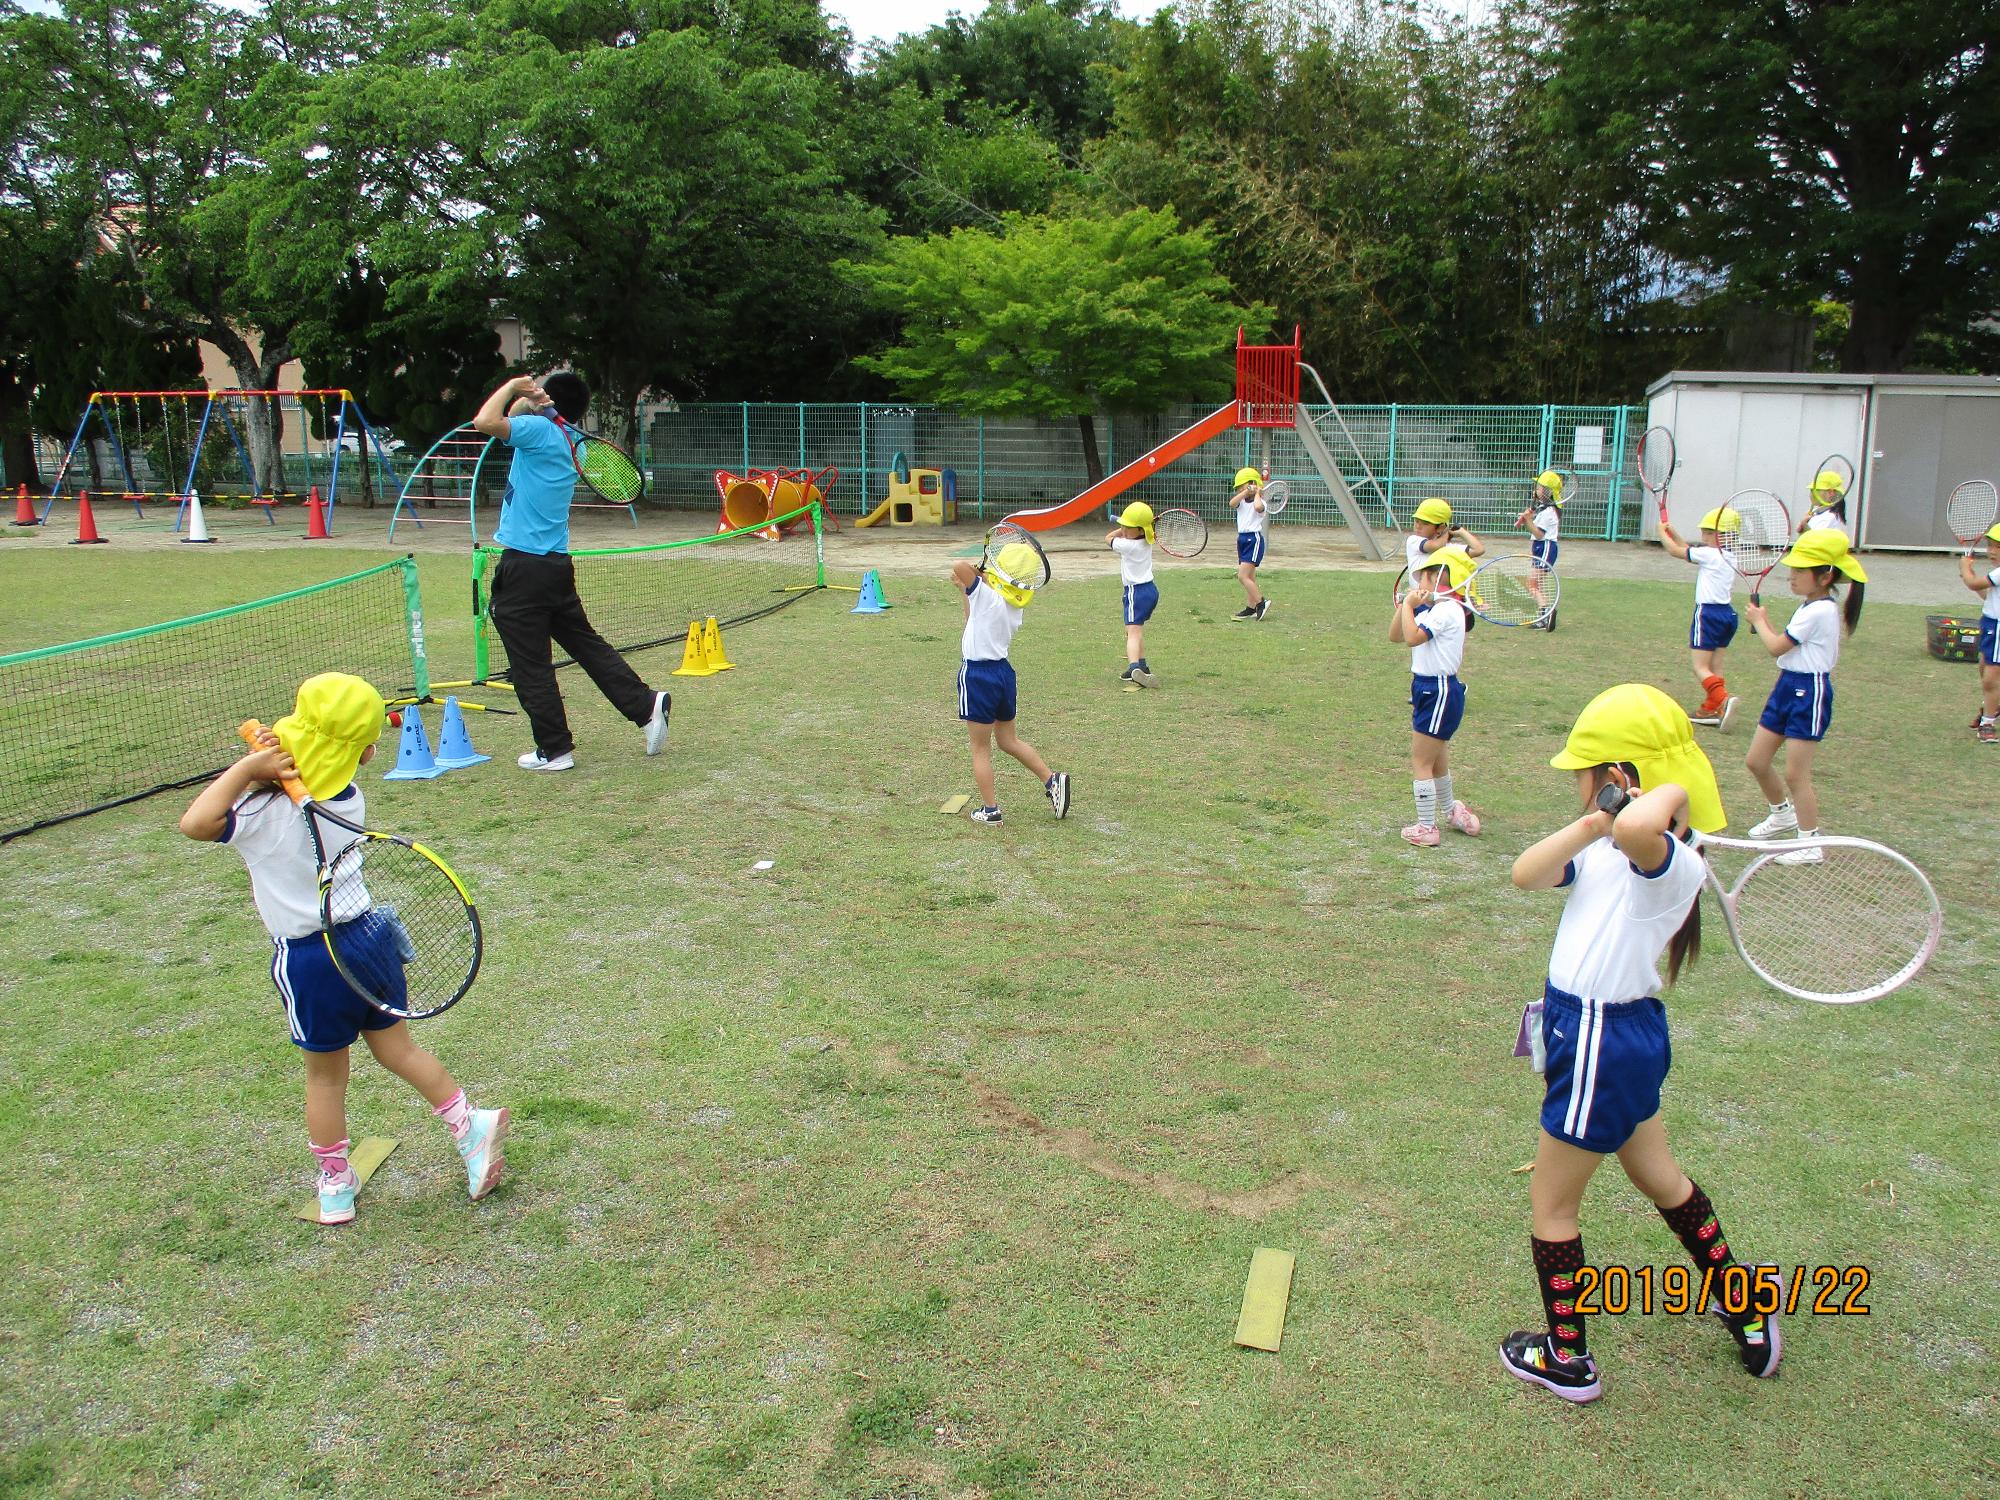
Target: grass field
930, 1163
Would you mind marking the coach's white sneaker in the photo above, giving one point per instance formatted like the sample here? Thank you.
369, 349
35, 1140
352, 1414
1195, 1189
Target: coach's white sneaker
1782, 824
656, 727
534, 760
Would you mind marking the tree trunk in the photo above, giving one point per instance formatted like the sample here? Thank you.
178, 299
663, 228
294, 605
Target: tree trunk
263, 419
1093, 464
17, 460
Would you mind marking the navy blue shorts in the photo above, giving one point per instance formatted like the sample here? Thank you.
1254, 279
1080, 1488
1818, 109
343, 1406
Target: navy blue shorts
322, 1009
1544, 554
1989, 640
1141, 599
986, 692
1436, 706
1250, 547
1714, 627
1606, 1065
1800, 706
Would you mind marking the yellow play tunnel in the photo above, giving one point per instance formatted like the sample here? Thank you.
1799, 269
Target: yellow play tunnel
761, 496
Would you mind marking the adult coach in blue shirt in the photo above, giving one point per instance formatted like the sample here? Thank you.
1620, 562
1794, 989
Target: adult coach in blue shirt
534, 602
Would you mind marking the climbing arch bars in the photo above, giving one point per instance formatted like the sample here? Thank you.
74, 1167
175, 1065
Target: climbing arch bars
133, 434
462, 468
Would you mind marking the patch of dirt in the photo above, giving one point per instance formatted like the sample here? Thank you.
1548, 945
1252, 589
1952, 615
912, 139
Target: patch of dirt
1081, 1148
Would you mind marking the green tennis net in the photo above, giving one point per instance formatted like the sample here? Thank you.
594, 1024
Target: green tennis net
642, 597
105, 721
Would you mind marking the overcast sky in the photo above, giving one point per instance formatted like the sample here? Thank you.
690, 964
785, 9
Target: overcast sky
889, 19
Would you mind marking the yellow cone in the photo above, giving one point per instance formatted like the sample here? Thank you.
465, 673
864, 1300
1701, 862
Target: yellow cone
694, 660
711, 647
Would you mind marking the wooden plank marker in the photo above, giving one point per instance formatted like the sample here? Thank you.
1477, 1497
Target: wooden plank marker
956, 804
367, 1154
1261, 1324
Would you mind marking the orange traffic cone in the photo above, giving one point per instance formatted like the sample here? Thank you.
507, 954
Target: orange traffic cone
86, 523
316, 517
24, 509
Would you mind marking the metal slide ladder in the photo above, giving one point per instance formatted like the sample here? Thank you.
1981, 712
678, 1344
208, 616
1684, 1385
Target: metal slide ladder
1311, 439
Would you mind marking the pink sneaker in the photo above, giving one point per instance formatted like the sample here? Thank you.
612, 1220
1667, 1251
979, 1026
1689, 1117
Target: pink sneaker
1423, 836
1465, 820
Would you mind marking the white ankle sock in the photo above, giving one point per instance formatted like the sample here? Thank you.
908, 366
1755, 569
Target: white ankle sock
1427, 806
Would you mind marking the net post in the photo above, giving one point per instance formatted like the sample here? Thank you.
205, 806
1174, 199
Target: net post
479, 655
413, 609
819, 545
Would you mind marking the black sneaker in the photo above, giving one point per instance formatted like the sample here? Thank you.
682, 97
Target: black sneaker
1757, 1341
1144, 678
1527, 1356
1247, 612
1551, 626
1059, 793
1126, 675
1263, 608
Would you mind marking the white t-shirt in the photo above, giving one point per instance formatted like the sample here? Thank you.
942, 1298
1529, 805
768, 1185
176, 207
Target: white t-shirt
1249, 515
1715, 583
1618, 921
1444, 652
271, 835
1135, 559
1992, 606
1548, 520
1413, 551
1824, 520
1815, 626
990, 623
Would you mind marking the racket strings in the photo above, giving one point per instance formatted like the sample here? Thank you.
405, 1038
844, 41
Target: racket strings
1972, 508
1855, 922
1181, 532
610, 473
1501, 591
1656, 458
413, 944
1763, 531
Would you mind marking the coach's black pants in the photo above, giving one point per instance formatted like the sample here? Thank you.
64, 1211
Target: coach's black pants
535, 604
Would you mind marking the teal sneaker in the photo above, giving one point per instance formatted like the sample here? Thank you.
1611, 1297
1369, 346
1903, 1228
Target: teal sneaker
480, 1146
336, 1196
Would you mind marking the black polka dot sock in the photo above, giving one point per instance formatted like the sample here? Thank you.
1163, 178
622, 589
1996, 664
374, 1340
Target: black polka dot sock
1699, 1229
1556, 1265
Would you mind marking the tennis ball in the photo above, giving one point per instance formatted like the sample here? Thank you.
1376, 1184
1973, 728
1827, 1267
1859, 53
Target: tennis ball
395, 718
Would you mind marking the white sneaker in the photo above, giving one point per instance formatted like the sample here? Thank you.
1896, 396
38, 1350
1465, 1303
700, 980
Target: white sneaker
480, 1149
1811, 856
1728, 712
336, 1197
1782, 824
656, 727
534, 760
1058, 790
1144, 678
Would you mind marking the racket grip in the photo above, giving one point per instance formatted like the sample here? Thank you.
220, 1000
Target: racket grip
248, 731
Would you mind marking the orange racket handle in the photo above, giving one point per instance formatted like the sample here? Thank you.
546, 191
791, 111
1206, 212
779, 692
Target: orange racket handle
248, 731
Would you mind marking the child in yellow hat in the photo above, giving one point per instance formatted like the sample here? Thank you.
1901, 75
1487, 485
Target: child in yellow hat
1431, 528
994, 602
1543, 518
1800, 708
1828, 511
329, 734
1247, 500
1983, 578
1132, 540
1433, 622
1714, 623
1634, 881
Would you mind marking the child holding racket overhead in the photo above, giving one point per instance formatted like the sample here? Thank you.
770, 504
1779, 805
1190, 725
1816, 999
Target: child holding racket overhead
1828, 511
1132, 540
330, 732
1543, 518
1431, 528
986, 699
1248, 502
1983, 578
1433, 622
1634, 884
1800, 707
1714, 623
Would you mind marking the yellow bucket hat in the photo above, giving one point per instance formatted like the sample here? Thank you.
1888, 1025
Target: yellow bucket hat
1016, 560
1456, 562
1551, 481
1248, 475
1992, 533
1434, 512
1638, 723
1827, 479
1824, 549
1722, 518
335, 718
1138, 514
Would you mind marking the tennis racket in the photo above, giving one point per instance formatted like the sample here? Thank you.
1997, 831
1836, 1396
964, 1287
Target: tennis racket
1511, 591
1655, 462
1833, 463
397, 922
1006, 534
1180, 532
1276, 496
1832, 919
1569, 479
1763, 535
1402, 584
1971, 510
603, 466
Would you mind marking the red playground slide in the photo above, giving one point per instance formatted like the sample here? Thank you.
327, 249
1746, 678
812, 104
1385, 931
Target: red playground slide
1116, 483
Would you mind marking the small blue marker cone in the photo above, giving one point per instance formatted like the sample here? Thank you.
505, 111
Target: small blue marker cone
871, 602
414, 761
454, 744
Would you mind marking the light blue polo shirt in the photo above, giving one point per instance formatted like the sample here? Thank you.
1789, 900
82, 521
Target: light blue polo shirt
534, 512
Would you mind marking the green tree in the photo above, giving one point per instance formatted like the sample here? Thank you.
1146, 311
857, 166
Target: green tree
1797, 151
1059, 317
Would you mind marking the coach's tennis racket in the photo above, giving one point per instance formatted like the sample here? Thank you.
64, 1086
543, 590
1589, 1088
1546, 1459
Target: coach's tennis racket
1832, 919
1655, 462
406, 938
1511, 591
603, 466
1833, 463
1763, 535
1006, 534
1971, 511
1276, 496
1180, 532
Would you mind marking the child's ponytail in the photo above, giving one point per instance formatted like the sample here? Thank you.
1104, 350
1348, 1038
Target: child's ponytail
1850, 609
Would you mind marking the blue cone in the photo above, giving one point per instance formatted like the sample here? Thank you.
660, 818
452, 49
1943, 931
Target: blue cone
414, 761
872, 602
454, 744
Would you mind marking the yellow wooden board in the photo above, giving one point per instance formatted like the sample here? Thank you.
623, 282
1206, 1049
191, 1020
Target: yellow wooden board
956, 804
1261, 1324
364, 1156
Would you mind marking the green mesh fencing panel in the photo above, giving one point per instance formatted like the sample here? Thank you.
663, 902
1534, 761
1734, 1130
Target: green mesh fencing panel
96, 723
